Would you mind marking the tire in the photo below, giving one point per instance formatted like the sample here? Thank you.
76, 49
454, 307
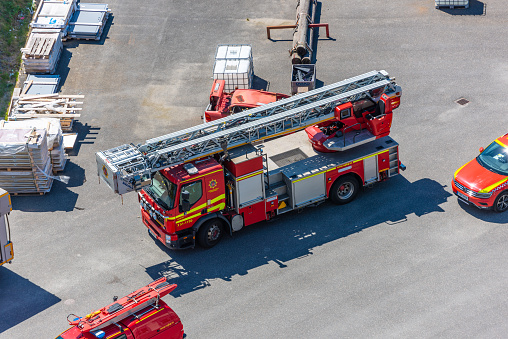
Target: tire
501, 202
344, 190
210, 233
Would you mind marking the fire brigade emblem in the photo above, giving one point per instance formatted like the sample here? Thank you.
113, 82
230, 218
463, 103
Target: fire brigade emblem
105, 171
213, 183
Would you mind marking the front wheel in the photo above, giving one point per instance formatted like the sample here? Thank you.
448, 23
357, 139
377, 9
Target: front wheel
344, 190
210, 233
501, 203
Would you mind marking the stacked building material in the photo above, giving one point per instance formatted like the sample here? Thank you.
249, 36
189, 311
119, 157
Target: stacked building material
42, 52
55, 105
40, 84
54, 137
88, 21
233, 63
53, 15
25, 165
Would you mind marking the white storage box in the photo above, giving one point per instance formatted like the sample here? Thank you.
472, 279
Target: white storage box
238, 73
233, 63
452, 3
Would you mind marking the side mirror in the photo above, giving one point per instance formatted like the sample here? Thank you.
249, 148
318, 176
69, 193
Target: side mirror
184, 203
481, 149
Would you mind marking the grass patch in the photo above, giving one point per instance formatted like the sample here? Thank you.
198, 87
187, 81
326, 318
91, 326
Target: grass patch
15, 17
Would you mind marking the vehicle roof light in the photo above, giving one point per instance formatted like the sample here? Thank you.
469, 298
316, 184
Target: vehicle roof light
99, 334
191, 169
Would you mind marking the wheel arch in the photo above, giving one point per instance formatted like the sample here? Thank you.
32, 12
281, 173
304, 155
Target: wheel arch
211, 216
352, 174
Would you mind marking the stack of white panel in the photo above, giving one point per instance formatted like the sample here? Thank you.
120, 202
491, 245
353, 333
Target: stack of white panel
54, 137
88, 21
25, 165
233, 63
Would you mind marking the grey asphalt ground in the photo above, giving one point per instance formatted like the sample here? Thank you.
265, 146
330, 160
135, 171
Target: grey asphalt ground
404, 260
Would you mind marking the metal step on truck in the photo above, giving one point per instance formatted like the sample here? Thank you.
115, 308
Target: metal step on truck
199, 183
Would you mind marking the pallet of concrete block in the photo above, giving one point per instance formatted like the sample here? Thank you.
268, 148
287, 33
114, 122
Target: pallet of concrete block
54, 137
40, 84
42, 52
25, 165
233, 63
452, 3
53, 14
88, 21
63, 107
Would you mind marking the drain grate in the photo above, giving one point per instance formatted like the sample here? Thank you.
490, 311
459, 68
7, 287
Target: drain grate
289, 157
462, 101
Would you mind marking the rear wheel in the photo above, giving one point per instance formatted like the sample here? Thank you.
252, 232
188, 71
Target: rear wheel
344, 190
501, 203
210, 233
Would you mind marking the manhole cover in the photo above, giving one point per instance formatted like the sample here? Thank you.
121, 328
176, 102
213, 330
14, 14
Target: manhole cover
289, 157
462, 101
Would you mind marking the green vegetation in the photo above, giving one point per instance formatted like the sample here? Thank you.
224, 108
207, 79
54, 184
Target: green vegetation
15, 16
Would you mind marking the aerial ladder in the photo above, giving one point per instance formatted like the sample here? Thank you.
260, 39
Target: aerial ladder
129, 167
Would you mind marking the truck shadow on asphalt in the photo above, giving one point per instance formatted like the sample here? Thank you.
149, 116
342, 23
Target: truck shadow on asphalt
294, 235
17, 290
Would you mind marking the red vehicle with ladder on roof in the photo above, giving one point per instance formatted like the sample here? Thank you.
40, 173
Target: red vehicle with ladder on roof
139, 315
223, 104
204, 181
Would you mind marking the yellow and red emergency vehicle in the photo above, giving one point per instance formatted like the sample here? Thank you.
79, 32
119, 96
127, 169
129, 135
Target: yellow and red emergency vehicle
483, 181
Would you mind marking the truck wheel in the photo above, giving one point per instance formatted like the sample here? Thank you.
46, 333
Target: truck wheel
210, 233
344, 190
501, 203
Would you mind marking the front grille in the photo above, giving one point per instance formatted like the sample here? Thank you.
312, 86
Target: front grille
471, 192
154, 215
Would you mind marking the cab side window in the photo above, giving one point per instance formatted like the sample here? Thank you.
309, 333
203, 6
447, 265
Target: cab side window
195, 190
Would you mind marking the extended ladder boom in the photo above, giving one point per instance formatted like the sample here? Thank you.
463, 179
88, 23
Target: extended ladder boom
129, 167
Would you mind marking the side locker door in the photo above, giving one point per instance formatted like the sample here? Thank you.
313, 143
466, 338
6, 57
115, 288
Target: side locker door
370, 169
197, 201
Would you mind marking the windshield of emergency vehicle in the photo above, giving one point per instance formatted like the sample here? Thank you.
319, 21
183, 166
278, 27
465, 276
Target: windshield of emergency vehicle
495, 158
163, 191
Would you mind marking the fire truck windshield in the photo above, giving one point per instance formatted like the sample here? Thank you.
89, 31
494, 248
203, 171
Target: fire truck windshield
163, 191
495, 158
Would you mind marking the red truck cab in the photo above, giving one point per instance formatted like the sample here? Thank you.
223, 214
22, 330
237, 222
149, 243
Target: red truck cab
139, 315
223, 104
178, 197
483, 181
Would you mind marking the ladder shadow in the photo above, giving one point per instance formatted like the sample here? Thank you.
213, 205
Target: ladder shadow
294, 235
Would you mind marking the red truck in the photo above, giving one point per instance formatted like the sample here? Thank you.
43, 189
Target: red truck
196, 184
139, 315
223, 104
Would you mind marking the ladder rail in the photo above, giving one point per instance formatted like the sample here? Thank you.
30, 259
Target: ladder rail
264, 110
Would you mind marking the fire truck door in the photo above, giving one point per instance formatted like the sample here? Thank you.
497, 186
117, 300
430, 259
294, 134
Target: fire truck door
197, 200
370, 169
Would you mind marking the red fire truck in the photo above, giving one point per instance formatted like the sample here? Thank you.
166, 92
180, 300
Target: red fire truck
202, 182
139, 315
223, 104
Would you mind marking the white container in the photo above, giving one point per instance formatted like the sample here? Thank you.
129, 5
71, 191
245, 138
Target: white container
452, 3
233, 63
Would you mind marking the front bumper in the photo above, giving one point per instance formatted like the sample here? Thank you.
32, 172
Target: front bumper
181, 240
471, 200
